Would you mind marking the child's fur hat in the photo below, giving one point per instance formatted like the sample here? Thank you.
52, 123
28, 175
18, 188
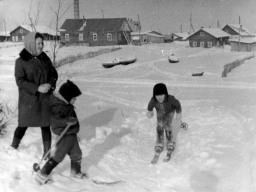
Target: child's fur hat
160, 89
69, 90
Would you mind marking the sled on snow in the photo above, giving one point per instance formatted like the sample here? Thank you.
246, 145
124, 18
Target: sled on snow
198, 74
173, 59
119, 61
127, 61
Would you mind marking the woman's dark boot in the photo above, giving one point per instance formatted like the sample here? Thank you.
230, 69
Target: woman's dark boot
47, 147
15, 143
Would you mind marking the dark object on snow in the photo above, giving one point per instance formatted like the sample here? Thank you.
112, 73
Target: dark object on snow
173, 59
128, 61
110, 64
119, 61
198, 74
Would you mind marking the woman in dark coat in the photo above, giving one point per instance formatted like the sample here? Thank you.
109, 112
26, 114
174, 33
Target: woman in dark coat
36, 79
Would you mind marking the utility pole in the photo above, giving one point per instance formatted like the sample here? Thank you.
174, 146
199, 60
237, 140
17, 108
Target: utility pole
102, 13
139, 28
5, 31
240, 27
191, 26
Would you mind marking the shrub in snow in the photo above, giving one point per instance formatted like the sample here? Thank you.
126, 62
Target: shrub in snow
6, 113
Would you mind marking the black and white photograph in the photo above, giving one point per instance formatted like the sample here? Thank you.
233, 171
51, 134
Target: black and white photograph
127, 95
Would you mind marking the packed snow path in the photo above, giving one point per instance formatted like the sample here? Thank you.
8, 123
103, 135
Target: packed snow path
216, 153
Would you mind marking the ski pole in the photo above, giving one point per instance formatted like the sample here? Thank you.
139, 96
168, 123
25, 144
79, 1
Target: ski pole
36, 166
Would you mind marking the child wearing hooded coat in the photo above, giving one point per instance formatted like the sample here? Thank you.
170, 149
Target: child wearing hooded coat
166, 105
62, 114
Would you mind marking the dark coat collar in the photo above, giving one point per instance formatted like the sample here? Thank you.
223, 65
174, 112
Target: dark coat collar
26, 56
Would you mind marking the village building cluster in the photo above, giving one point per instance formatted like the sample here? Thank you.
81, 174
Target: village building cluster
123, 31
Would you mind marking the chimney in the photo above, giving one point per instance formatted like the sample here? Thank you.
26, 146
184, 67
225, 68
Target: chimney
76, 9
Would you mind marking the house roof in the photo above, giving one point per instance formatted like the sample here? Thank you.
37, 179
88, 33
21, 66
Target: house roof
153, 33
243, 31
215, 32
104, 24
248, 40
135, 25
72, 24
183, 35
39, 28
5, 34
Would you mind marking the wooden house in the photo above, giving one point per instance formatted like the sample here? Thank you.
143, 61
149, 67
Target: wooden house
235, 30
147, 37
95, 32
245, 44
21, 31
208, 37
4, 36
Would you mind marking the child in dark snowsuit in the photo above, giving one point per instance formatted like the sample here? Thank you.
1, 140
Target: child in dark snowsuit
62, 114
166, 105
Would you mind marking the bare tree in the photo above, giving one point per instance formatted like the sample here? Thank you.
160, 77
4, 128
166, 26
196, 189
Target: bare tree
34, 14
59, 11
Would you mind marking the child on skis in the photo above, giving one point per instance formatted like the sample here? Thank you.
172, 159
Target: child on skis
166, 105
62, 114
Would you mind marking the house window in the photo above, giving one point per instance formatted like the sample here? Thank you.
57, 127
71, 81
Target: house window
209, 44
201, 33
17, 38
81, 37
95, 37
22, 37
13, 38
109, 37
67, 37
194, 44
21, 30
201, 44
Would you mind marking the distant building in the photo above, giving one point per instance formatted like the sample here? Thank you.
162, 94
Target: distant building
208, 37
135, 25
235, 30
147, 37
96, 32
4, 36
21, 31
243, 44
179, 36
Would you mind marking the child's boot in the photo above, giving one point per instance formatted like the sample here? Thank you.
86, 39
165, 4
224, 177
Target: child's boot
76, 170
41, 178
42, 175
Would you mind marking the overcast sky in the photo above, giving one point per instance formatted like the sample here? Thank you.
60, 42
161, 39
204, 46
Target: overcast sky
164, 16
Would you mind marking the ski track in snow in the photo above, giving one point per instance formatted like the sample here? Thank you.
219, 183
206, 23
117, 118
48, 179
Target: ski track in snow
212, 155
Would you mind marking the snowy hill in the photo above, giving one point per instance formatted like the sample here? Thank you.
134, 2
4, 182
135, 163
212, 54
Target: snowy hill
216, 154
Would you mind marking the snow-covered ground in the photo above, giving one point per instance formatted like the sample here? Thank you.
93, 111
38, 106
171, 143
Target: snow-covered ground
216, 154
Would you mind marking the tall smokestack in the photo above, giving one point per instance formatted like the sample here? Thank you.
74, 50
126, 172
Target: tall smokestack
76, 9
